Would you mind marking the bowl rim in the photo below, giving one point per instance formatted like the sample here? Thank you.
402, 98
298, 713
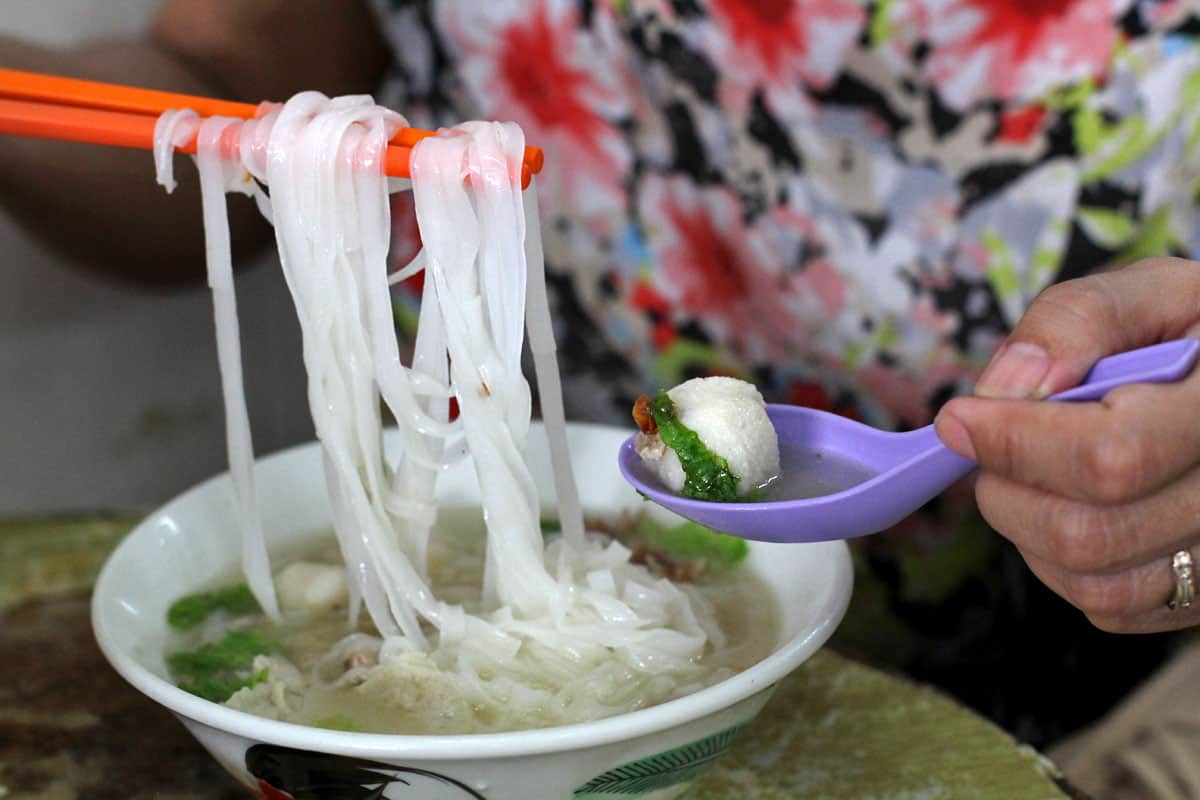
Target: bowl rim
457, 747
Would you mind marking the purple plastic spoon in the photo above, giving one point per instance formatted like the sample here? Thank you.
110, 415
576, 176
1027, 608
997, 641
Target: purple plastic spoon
908, 468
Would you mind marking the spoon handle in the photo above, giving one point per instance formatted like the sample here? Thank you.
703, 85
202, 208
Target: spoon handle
1161, 363
1157, 364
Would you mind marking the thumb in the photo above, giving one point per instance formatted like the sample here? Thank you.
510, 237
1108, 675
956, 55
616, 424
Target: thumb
1071, 325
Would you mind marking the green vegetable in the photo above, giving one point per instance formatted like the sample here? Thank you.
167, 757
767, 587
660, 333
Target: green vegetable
339, 722
706, 474
190, 610
218, 669
236, 649
691, 541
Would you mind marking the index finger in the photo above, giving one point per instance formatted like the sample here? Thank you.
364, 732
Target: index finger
1133, 442
1072, 324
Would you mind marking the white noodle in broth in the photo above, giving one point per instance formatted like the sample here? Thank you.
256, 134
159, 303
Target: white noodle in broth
559, 624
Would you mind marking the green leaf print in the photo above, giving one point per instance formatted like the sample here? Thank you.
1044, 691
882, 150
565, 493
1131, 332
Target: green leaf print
1154, 239
1107, 228
1116, 146
881, 29
884, 336
1002, 267
1066, 98
662, 770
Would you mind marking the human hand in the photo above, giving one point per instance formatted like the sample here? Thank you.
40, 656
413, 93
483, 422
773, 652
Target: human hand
1097, 497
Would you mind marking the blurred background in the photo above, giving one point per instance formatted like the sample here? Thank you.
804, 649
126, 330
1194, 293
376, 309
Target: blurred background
126, 378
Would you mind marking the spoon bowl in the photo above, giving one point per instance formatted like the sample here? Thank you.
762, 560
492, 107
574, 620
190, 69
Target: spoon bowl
903, 471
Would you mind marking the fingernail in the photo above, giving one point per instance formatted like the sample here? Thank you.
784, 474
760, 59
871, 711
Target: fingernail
1015, 373
954, 435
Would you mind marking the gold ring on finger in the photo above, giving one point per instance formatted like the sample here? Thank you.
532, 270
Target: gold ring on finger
1185, 584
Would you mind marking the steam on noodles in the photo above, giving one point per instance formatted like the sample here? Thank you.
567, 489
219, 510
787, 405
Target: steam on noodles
557, 625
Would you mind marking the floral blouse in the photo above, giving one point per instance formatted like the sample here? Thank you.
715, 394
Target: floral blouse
848, 203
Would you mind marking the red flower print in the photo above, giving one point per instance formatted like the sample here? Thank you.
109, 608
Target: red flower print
809, 395
826, 284
1016, 49
1020, 126
780, 45
643, 297
533, 63
728, 275
663, 335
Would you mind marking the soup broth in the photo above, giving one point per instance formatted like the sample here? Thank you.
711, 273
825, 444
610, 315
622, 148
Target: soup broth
318, 669
805, 473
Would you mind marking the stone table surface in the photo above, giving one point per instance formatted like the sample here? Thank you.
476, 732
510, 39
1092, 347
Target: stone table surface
70, 727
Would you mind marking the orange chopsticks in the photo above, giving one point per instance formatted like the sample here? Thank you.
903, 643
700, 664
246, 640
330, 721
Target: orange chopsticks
68, 109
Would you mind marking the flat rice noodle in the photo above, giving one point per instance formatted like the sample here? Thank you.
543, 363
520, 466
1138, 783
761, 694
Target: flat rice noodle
559, 625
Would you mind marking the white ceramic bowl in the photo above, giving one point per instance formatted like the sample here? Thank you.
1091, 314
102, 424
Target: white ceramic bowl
653, 753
